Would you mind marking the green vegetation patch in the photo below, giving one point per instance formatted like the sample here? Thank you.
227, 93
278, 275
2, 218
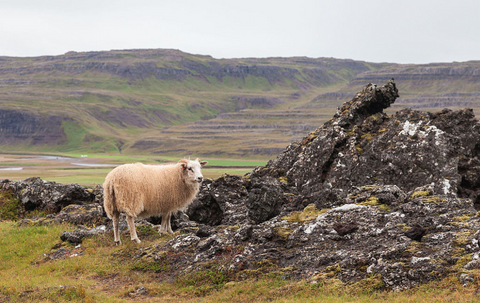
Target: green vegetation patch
204, 281
10, 207
420, 193
309, 213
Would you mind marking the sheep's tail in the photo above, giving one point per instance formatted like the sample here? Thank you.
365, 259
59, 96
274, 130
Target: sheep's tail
109, 198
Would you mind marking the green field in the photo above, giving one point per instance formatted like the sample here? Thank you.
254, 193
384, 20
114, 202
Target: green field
64, 171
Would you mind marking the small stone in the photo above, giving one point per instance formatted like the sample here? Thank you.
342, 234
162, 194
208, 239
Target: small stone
416, 233
345, 228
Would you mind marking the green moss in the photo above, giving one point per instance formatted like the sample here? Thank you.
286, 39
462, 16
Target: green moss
370, 187
331, 271
147, 231
384, 207
359, 149
10, 207
150, 265
352, 131
463, 218
369, 284
210, 278
309, 213
265, 263
372, 200
382, 130
420, 193
433, 199
367, 136
286, 270
414, 247
463, 261
462, 238
283, 232
283, 180
311, 136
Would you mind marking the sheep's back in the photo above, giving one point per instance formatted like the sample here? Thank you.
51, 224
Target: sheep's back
148, 190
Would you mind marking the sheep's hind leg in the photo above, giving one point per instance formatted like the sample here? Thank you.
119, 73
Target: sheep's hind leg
133, 231
116, 235
164, 228
169, 226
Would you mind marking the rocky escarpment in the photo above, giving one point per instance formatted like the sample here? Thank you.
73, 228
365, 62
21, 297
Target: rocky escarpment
383, 202
176, 65
361, 145
21, 127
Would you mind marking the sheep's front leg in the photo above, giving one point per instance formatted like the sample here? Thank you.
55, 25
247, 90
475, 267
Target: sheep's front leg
133, 231
116, 235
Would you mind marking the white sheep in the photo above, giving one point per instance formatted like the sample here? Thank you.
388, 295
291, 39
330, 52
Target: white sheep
141, 191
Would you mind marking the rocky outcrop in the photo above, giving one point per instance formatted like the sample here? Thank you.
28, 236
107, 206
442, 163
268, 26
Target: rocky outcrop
367, 196
384, 202
361, 145
35, 193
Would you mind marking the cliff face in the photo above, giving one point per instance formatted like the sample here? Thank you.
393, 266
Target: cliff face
24, 128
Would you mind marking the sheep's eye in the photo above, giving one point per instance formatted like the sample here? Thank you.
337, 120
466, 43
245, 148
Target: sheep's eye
190, 169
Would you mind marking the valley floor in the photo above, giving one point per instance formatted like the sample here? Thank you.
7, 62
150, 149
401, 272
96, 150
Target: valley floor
90, 170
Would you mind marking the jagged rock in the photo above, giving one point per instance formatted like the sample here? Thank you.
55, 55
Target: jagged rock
264, 203
220, 202
82, 232
36, 193
205, 209
90, 215
62, 253
394, 201
361, 146
72, 237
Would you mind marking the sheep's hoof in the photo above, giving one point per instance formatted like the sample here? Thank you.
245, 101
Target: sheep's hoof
136, 240
118, 243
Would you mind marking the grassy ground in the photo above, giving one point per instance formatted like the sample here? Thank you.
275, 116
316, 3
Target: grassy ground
100, 272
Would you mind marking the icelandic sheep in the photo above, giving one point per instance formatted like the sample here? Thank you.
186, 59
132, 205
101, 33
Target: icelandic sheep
141, 191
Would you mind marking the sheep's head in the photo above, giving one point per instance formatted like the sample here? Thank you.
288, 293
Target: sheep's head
192, 169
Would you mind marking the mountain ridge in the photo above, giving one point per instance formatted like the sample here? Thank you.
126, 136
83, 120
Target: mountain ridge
115, 101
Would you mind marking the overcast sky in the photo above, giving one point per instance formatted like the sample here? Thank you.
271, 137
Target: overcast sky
401, 31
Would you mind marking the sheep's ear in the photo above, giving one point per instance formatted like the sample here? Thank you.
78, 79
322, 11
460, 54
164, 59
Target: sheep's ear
183, 163
203, 163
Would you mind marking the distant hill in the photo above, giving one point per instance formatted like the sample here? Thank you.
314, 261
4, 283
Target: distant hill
169, 102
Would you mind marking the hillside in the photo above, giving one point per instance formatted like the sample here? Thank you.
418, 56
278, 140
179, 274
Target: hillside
170, 102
